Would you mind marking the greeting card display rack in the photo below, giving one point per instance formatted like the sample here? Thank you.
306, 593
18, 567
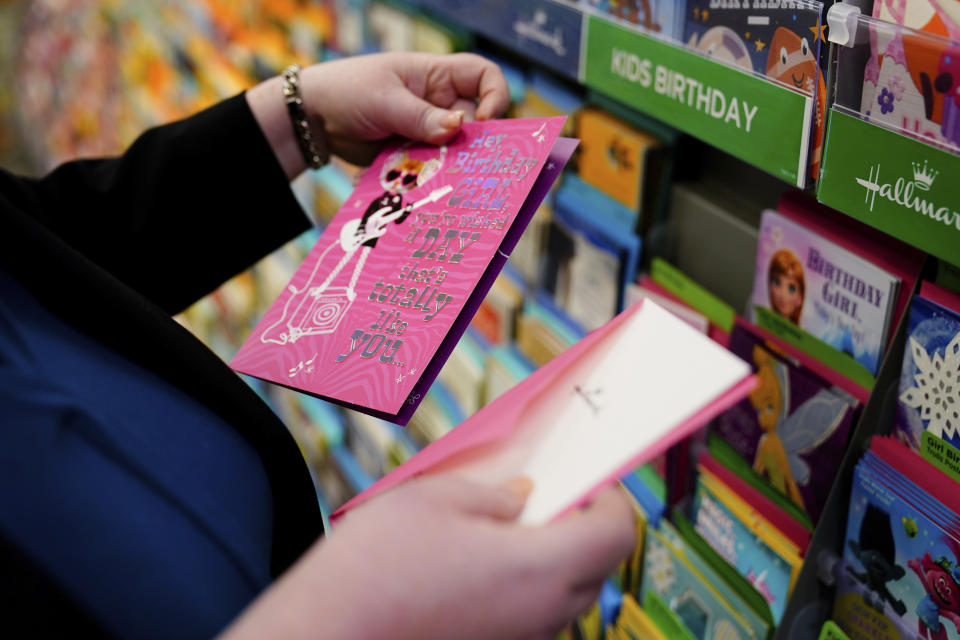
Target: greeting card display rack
866, 158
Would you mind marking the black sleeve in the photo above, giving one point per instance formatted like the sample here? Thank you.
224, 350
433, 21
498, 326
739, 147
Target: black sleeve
29, 599
187, 206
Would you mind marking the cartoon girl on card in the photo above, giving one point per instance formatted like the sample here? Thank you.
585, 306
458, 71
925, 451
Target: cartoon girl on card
789, 436
317, 308
941, 581
786, 285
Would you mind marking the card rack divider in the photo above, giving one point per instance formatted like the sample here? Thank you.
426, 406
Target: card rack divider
812, 598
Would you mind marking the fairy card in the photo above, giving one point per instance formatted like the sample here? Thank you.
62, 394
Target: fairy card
793, 427
380, 301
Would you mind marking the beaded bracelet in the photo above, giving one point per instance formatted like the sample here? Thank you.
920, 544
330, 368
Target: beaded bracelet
316, 155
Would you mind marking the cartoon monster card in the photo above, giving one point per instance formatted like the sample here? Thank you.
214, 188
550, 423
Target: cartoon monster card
900, 575
782, 40
793, 428
377, 306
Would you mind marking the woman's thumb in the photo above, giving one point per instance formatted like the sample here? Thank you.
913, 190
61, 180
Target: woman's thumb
420, 120
439, 125
503, 502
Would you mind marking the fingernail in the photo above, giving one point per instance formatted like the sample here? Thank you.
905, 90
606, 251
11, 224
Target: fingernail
520, 485
452, 119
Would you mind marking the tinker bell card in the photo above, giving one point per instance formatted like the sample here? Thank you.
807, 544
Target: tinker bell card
377, 306
794, 426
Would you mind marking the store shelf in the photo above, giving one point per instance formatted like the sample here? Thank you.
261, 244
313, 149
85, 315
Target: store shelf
886, 163
542, 30
746, 114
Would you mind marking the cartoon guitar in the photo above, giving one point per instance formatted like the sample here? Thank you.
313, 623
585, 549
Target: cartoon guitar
318, 309
353, 237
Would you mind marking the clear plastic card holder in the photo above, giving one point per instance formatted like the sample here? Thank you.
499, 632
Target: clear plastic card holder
778, 41
742, 75
892, 151
902, 79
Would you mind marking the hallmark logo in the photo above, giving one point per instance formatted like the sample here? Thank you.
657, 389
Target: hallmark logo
904, 193
921, 177
536, 30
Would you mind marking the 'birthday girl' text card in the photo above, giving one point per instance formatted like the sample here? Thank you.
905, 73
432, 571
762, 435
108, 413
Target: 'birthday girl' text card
373, 312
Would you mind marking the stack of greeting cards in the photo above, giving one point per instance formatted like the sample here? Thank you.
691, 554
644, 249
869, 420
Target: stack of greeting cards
825, 289
699, 593
900, 575
929, 393
379, 303
754, 536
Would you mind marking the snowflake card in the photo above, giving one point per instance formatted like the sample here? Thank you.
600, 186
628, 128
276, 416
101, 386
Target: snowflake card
828, 291
929, 392
380, 301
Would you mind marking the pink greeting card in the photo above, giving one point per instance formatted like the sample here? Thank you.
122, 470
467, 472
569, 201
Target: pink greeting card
378, 304
619, 397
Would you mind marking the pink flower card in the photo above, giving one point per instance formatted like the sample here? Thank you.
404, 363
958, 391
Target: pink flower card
373, 312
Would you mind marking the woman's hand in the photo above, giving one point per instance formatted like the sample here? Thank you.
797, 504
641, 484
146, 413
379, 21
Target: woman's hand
442, 557
364, 100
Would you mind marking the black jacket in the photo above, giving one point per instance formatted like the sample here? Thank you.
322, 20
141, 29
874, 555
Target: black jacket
115, 246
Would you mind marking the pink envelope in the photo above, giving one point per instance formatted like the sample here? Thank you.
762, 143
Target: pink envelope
491, 442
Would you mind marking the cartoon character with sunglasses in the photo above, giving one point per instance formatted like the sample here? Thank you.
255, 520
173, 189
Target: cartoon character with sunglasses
318, 308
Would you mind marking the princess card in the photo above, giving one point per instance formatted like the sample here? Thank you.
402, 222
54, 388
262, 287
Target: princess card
829, 292
377, 306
